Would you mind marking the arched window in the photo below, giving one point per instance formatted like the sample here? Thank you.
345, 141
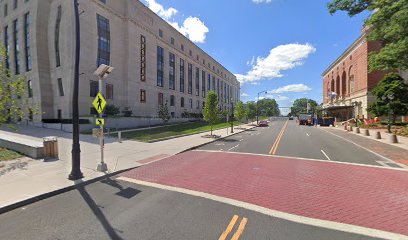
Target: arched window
30, 89
351, 80
332, 85
338, 85
343, 84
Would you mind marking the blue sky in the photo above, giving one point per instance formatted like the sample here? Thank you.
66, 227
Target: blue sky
281, 46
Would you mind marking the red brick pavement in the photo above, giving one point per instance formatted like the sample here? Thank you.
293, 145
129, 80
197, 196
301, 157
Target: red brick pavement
394, 153
359, 195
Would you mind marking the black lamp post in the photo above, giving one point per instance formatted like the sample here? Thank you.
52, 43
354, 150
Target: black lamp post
232, 116
388, 99
76, 149
257, 111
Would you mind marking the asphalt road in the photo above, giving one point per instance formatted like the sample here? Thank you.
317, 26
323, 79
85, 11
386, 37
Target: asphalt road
296, 141
113, 209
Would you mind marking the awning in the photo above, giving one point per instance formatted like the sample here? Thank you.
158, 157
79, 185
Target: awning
337, 107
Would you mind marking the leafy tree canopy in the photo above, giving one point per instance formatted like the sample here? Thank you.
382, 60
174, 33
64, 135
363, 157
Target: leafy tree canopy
210, 111
239, 110
268, 107
300, 106
250, 110
388, 24
391, 84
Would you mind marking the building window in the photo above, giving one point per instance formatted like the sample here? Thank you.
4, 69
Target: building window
182, 47
173, 114
30, 88
213, 83
218, 89
160, 33
203, 83
103, 1
109, 91
160, 99
56, 37
190, 78
203, 62
142, 58
7, 46
172, 71
191, 53
198, 58
160, 66
5, 10
182, 72
16, 48
209, 82
143, 96
15, 4
182, 102
94, 88
172, 41
352, 84
27, 41
172, 100
197, 82
103, 41
59, 114
60, 87
198, 104
191, 103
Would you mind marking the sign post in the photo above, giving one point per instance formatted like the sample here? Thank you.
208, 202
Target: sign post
99, 104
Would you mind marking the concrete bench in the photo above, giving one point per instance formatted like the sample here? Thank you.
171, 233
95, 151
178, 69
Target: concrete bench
28, 147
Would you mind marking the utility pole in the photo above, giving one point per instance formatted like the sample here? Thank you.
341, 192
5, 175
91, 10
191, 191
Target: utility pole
76, 149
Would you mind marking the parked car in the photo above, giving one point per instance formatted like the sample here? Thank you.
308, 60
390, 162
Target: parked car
290, 118
263, 123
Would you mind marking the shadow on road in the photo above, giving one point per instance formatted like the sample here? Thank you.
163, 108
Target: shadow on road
124, 192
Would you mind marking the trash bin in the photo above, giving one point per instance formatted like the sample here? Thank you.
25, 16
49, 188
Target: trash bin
50, 147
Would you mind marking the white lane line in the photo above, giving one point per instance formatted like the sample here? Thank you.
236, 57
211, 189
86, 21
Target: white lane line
308, 134
233, 147
274, 213
325, 154
241, 140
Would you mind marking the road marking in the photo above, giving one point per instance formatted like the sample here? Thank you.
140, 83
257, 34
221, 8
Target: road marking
278, 214
276, 143
307, 159
308, 134
240, 229
229, 228
325, 154
233, 147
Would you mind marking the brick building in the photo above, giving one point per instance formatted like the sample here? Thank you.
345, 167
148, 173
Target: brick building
347, 84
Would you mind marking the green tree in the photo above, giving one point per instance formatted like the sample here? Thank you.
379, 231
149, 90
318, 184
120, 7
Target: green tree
391, 84
111, 110
164, 114
239, 111
300, 106
388, 24
251, 110
14, 104
268, 107
210, 111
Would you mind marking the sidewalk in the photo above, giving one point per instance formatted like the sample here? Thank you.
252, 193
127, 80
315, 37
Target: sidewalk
397, 152
29, 178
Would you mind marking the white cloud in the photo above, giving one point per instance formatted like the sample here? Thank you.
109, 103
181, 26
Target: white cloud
292, 88
192, 27
283, 57
254, 83
261, 1
276, 97
244, 95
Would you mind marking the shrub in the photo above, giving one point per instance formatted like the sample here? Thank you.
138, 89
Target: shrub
127, 112
111, 110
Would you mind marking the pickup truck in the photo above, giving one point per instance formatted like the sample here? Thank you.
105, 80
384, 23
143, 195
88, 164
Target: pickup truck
305, 119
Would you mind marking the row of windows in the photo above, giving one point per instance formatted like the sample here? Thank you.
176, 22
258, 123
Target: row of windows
16, 45
191, 55
94, 89
15, 6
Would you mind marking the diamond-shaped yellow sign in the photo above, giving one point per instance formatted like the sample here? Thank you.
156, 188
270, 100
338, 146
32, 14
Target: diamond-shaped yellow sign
99, 103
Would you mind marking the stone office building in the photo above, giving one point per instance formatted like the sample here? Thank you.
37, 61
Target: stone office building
153, 63
347, 84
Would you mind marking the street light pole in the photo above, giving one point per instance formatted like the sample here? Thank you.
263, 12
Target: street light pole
257, 111
232, 116
76, 149
388, 98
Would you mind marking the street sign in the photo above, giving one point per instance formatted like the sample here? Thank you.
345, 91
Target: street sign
99, 103
100, 121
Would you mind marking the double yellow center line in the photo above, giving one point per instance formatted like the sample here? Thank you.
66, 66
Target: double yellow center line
278, 139
231, 225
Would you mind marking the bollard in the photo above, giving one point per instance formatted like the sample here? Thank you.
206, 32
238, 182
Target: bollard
345, 127
350, 128
357, 130
393, 138
120, 136
366, 132
377, 135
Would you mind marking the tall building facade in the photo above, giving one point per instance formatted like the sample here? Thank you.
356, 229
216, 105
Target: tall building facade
347, 83
153, 63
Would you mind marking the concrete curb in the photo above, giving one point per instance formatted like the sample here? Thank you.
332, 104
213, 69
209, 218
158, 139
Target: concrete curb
43, 196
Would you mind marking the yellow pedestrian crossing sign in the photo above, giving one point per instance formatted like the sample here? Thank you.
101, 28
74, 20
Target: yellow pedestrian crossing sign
99, 103
100, 121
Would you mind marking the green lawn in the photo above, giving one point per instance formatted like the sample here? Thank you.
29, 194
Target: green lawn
174, 130
6, 154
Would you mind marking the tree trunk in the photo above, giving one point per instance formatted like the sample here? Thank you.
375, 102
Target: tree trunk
211, 130
394, 117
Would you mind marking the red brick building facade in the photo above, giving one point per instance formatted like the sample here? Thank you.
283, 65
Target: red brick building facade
347, 83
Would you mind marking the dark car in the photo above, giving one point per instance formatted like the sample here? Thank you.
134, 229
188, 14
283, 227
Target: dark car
263, 123
305, 119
